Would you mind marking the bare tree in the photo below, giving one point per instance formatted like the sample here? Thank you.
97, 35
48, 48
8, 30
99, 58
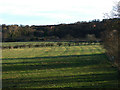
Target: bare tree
115, 12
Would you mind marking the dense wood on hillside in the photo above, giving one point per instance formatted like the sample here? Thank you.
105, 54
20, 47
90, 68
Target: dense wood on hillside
72, 31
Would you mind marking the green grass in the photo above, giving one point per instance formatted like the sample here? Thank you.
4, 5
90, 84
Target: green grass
52, 51
58, 67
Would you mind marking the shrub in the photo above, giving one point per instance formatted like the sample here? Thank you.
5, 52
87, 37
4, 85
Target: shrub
59, 43
111, 38
30, 45
15, 46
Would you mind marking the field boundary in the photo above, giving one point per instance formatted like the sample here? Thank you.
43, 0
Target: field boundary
78, 43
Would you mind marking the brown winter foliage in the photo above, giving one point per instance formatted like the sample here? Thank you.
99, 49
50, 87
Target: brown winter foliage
111, 38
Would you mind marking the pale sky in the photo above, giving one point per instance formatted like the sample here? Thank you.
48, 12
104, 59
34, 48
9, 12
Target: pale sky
46, 12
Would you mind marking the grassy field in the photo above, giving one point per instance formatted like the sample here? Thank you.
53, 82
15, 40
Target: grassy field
58, 67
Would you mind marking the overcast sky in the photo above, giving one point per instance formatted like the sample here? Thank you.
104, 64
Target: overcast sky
46, 12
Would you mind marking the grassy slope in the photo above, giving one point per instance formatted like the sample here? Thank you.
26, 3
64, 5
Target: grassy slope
51, 51
51, 67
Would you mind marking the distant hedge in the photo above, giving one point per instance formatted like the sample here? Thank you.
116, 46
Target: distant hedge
77, 43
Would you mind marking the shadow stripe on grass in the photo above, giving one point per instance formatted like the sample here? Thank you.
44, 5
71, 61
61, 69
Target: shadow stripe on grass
53, 56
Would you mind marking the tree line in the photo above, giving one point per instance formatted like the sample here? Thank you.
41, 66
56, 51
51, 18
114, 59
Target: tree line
73, 31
